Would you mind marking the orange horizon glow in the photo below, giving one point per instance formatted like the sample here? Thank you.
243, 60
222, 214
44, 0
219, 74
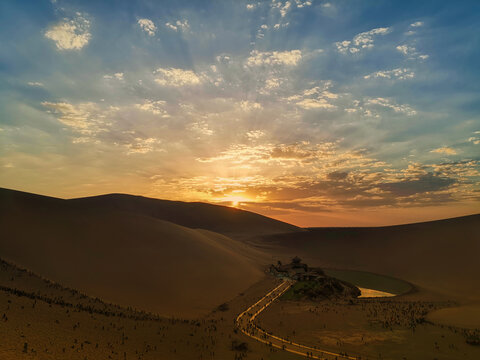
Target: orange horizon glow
370, 217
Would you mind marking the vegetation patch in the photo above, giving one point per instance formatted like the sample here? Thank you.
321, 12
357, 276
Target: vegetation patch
322, 288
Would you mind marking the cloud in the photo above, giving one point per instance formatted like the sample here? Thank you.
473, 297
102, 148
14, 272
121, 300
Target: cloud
315, 104
250, 105
154, 107
423, 184
288, 58
83, 117
475, 139
315, 98
337, 175
35, 84
201, 127
118, 76
70, 34
141, 146
99, 124
148, 26
251, 6
402, 108
255, 134
301, 150
445, 150
272, 84
417, 24
364, 40
179, 25
411, 52
405, 50
176, 77
285, 6
399, 73
279, 25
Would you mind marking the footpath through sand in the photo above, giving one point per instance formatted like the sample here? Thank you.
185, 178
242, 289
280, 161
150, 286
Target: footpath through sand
245, 321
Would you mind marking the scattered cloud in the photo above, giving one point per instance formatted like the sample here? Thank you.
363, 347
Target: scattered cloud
445, 150
399, 73
315, 98
141, 146
179, 25
417, 24
176, 77
288, 58
284, 7
154, 107
364, 40
255, 134
83, 117
399, 108
117, 76
71, 34
250, 105
201, 127
411, 52
148, 26
475, 139
261, 120
319, 103
281, 25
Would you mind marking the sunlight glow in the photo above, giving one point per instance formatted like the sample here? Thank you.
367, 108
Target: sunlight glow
235, 200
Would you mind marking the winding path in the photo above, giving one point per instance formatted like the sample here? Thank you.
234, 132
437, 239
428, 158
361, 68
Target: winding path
245, 321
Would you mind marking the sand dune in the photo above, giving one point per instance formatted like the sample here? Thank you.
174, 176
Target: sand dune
169, 257
440, 255
221, 219
123, 257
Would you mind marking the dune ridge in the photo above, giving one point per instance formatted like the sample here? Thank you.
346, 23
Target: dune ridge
126, 258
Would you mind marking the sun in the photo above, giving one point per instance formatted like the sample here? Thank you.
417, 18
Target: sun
234, 200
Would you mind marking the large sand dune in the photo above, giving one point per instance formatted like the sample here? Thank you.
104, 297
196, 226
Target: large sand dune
169, 257
221, 219
441, 255
123, 257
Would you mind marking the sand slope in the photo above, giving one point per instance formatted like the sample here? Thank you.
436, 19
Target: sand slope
221, 219
441, 255
123, 257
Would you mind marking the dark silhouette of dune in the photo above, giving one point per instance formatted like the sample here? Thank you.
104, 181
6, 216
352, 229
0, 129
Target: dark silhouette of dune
196, 215
178, 258
124, 256
442, 255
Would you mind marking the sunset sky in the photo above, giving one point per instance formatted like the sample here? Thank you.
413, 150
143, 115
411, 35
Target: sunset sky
318, 113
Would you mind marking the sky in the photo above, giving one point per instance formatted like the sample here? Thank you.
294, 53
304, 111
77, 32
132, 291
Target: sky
315, 112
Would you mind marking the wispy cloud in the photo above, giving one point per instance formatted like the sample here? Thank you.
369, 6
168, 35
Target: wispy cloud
289, 58
35, 84
176, 77
399, 108
364, 40
399, 73
445, 150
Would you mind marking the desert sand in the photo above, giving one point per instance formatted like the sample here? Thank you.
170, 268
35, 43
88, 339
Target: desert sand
137, 278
